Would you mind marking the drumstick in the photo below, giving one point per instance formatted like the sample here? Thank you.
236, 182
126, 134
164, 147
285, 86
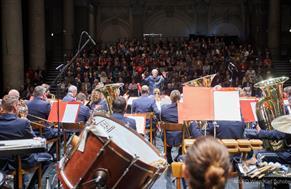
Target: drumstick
257, 171
262, 170
262, 175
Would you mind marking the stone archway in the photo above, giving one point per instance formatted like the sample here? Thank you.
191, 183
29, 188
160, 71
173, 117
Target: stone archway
169, 25
114, 29
225, 29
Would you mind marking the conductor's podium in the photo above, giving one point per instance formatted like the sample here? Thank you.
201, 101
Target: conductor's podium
233, 146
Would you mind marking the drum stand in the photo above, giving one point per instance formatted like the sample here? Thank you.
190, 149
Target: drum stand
101, 179
215, 125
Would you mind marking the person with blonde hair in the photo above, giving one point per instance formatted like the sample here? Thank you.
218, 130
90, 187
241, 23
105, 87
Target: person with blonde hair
207, 164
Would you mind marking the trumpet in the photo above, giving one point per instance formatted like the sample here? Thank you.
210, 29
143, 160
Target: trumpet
39, 118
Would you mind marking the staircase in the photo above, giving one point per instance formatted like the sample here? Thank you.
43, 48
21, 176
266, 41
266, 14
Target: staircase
283, 68
52, 74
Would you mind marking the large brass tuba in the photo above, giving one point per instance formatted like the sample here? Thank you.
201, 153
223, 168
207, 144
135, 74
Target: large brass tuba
271, 106
110, 92
204, 81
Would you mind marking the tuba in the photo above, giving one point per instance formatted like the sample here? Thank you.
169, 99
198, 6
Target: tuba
110, 92
22, 109
204, 81
271, 106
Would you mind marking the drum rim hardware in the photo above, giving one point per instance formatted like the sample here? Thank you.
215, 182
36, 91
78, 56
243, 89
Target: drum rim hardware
126, 171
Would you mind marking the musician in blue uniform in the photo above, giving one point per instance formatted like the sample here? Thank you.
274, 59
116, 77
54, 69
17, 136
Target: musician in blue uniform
154, 81
84, 111
283, 156
14, 128
169, 113
227, 129
71, 95
97, 102
39, 107
145, 104
118, 108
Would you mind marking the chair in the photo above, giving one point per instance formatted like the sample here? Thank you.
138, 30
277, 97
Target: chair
150, 117
177, 171
40, 126
171, 127
37, 169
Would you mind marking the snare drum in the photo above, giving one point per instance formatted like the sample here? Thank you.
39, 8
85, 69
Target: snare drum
128, 160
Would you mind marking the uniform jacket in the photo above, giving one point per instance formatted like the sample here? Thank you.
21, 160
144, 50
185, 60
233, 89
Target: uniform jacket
126, 120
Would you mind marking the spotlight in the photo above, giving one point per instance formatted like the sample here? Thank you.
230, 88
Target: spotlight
52, 34
290, 30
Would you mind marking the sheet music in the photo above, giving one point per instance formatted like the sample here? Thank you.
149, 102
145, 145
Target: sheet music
227, 106
140, 123
70, 113
130, 100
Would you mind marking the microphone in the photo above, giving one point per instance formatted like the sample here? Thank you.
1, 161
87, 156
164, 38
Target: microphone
233, 66
89, 36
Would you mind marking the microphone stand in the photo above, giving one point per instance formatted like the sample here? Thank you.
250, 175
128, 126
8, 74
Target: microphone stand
55, 82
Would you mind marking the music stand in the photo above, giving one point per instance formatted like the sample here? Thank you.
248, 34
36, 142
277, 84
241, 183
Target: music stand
59, 76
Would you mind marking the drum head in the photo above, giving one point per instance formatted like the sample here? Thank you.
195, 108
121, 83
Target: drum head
127, 139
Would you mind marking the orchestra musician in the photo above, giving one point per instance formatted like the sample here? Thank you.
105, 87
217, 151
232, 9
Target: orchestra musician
169, 113
157, 97
145, 104
97, 102
39, 107
13, 128
154, 81
71, 95
119, 108
84, 111
227, 129
14, 92
284, 156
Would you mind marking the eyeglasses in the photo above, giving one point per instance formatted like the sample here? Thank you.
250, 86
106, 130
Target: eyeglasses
156, 93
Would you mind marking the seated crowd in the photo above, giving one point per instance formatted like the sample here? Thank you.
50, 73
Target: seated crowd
179, 61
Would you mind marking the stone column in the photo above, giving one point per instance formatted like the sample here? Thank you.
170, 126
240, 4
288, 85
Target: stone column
92, 21
37, 57
274, 28
12, 44
68, 25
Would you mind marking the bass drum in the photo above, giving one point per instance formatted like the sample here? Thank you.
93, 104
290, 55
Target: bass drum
107, 146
